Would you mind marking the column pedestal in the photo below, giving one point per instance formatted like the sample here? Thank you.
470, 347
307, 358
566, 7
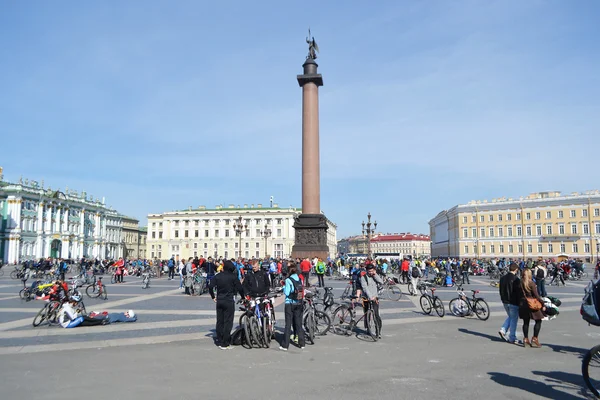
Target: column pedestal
310, 236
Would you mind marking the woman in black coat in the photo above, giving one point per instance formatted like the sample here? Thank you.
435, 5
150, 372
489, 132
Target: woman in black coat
529, 291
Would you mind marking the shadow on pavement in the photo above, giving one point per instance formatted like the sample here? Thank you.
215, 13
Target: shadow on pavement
534, 387
566, 380
483, 335
576, 351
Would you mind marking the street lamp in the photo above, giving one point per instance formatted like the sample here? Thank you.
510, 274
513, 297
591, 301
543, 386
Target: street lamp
369, 231
266, 233
240, 228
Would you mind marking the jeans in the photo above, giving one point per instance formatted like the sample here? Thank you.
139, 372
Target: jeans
510, 324
541, 287
293, 315
415, 283
465, 275
225, 313
180, 281
321, 280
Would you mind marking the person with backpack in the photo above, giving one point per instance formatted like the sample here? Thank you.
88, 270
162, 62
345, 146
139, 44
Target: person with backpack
415, 274
510, 294
531, 307
540, 272
294, 308
171, 266
320, 271
369, 283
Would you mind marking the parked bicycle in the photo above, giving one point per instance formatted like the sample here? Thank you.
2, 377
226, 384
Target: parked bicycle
431, 301
344, 319
390, 289
315, 322
462, 306
97, 289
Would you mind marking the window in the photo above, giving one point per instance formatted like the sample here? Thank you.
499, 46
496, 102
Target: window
226, 246
465, 232
482, 232
597, 228
483, 249
596, 212
575, 248
529, 248
586, 247
160, 235
279, 221
574, 229
509, 217
176, 234
510, 248
481, 218
216, 233
520, 248
561, 229
278, 232
474, 232
549, 229
153, 224
539, 246
226, 232
186, 234
573, 214
152, 254
500, 231
499, 217
152, 247
492, 233
537, 215
491, 218
528, 216
538, 230
586, 229
562, 248
464, 220
206, 245
196, 233
247, 245
584, 212
501, 248
226, 224
518, 216
473, 219
550, 248
466, 249
257, 245
510, 231
519, 230
528, 231
206, 233
195, 245
492, 249
560, 214
548, 214
258, 233
235, 246
153, 235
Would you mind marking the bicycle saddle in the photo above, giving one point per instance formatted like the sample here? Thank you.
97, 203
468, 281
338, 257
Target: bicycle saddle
475, 291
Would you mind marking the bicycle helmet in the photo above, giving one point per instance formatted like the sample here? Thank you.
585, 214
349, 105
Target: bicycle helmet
76, 297
131, 313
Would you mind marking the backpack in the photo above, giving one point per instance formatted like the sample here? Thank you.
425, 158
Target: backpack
320, 268
589, 305
416, 272
298, 293
184, 270
540, 274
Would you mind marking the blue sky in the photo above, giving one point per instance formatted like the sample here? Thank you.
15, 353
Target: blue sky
159, 105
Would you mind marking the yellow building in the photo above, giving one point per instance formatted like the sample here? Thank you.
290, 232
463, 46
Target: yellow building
543, 224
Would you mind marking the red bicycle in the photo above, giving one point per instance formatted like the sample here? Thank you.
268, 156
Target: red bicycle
97, 289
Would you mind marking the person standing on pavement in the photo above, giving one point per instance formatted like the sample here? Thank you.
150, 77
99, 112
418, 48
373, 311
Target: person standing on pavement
293, 308
415, 274
181, 271
405, 267
368, 284
305, 266
510, 294
171, 266
227, 285
526, 313
320, 271
540, 272
256, 282
464, 268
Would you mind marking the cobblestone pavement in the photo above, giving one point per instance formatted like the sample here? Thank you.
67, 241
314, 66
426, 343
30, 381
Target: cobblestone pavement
169, 353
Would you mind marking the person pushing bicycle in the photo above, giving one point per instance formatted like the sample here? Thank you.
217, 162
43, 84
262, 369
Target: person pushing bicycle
368, 286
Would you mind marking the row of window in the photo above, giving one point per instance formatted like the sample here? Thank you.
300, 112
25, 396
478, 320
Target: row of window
227, 233
540, 248
227, 222
257, 254
175, 247
539, 231
537, 215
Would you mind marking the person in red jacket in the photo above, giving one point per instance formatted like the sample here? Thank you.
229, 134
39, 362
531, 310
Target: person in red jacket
305, 266
404, 267
120, 265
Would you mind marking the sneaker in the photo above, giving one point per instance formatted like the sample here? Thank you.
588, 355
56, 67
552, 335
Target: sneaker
223, 347
503, 335
282, 348
295, 338
302, 348
516, 342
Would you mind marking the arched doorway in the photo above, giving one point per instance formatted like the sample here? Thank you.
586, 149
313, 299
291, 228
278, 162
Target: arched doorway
55, 248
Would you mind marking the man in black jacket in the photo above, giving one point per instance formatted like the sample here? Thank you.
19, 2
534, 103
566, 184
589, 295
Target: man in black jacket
510, 293
256, 282
227, 285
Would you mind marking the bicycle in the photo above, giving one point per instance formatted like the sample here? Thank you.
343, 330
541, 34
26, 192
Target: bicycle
249, 322
327, 304
97, 289
48, 313
145, 280
315, 322
344, 319
462, 306
592, 359
265, 313
391, 289
429, 301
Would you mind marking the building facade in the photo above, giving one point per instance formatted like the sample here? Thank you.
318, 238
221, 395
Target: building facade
212, 232
40, 222
543, 224
134, 238
399, 245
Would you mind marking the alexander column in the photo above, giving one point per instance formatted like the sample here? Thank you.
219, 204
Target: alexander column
311, 225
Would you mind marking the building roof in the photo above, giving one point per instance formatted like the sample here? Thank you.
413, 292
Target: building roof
401, 237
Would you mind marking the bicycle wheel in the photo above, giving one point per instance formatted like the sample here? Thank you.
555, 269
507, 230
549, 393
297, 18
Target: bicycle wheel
255, 332
425, 304
411, 289
113, 279
341, 320
266, 334
309, 327
40, 317
439, 307
482, 310
372, 327
24, 294
590, 369
52, 314
14, 274
197, 287
92, 291
323, 323
394, 292
104, 293
247, 335
458, 307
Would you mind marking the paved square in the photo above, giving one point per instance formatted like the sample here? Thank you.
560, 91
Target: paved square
169, 353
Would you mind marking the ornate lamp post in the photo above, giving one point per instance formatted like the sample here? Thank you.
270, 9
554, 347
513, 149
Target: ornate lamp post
369, 232
240, 228
266, 233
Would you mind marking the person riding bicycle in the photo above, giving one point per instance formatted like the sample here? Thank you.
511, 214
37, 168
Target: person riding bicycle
368, 284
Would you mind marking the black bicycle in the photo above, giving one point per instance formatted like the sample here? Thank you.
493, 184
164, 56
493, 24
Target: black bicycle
462, 306
590, 369
431, 301
344, 319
